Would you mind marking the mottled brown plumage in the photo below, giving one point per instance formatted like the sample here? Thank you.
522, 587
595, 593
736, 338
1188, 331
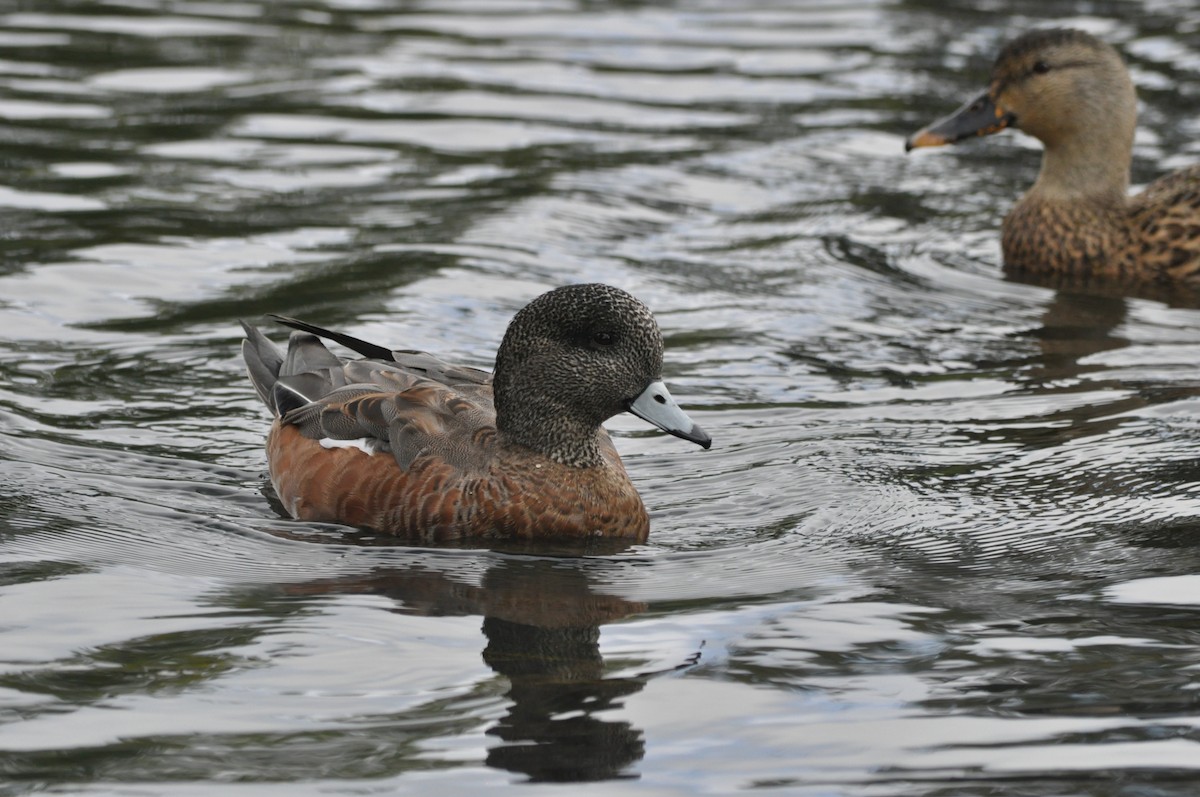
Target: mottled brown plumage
1073, 93
403, 443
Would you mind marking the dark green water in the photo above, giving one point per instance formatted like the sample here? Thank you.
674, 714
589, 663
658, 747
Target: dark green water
944, 544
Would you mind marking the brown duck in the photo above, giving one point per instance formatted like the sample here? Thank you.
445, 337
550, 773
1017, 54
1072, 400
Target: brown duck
1073, 93
403, 443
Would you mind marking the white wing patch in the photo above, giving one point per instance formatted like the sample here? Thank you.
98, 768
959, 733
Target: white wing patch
367, 445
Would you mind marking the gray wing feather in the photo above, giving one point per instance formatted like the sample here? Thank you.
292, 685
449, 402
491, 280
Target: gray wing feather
263, 360
306, 353
415, 403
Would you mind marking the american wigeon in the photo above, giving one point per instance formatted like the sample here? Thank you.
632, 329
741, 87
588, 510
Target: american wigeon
1073, 93
406, 444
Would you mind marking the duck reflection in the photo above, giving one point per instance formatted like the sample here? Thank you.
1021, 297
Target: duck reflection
541, 619
1084, 317
548, 648
1076, 326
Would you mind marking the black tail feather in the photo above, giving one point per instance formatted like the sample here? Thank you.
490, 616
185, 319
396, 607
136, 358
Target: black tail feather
368, 350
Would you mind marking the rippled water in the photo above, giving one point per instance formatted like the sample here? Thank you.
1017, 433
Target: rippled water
944, 543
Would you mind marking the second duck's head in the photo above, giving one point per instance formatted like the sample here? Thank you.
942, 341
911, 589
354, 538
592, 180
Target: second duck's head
1064, 87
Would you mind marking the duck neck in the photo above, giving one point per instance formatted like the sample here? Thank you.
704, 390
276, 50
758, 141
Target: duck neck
551, 432
1095, 171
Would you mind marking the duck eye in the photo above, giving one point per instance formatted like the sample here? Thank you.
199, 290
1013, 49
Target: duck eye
603, 337
1041, 68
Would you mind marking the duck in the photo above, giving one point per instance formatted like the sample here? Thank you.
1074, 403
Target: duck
1078, 222
403, 443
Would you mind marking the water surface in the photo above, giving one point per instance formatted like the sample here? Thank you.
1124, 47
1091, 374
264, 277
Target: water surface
944, 543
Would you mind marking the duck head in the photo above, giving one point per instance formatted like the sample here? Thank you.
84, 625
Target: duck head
1063, 87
